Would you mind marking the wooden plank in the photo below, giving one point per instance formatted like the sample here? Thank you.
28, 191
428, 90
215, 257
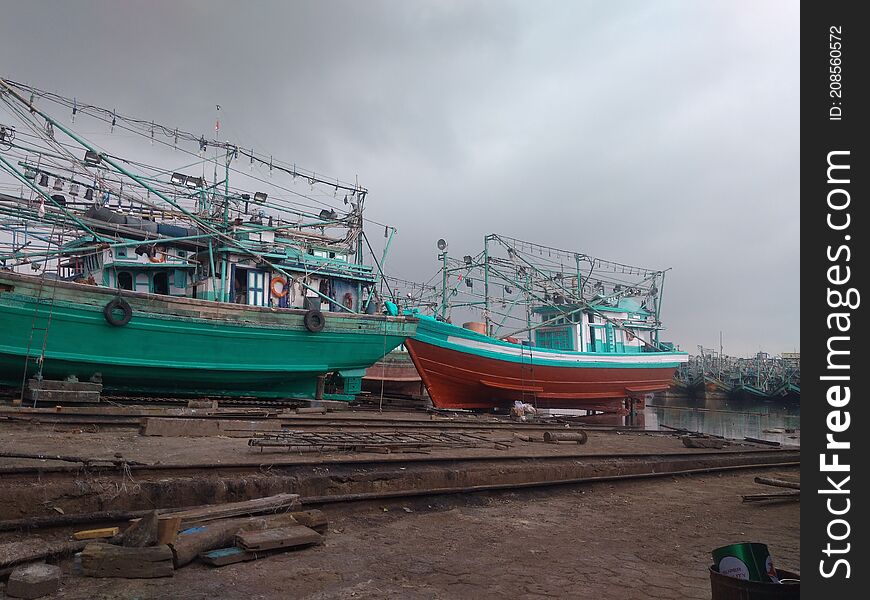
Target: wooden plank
92, 534
32, 549
226, 556
62, 396
73, 386
106, 560
167, 529
280, 537
210, 512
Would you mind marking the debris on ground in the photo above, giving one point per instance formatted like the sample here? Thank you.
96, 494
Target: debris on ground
33, 581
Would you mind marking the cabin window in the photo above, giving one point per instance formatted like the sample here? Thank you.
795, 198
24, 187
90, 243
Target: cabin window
125, 280
121, 252
161, 283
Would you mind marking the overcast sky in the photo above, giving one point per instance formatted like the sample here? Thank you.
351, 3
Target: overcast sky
658, 133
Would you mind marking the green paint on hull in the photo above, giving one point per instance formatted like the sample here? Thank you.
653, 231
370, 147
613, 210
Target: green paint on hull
178, 346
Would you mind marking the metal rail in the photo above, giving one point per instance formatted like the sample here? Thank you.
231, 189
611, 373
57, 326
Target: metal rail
265, 467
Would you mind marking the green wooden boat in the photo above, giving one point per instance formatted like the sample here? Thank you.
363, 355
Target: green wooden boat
183, 346
164, 279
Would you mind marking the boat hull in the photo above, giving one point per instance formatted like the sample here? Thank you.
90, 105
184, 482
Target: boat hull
181, 346
394, 375
465, 370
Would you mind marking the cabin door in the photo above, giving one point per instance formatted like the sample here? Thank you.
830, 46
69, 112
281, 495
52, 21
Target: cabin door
256, 288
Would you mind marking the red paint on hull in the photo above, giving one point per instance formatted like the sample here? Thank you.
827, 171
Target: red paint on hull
461, 380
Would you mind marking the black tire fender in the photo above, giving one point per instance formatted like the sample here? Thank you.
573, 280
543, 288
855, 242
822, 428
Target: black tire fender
114, 305
314, 321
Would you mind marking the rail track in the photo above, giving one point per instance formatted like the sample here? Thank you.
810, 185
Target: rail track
406, 478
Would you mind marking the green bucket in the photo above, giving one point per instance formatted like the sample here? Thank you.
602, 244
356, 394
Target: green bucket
748, 561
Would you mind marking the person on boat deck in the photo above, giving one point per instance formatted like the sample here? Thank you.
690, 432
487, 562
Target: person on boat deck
240, 292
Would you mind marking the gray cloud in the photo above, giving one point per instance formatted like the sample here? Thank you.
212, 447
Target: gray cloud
662, 134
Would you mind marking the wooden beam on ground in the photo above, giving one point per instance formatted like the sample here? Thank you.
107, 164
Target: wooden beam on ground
782, 497
795, 485
257, 506
106, 560
33, 549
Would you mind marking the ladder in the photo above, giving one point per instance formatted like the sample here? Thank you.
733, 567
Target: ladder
527, 367
43, 307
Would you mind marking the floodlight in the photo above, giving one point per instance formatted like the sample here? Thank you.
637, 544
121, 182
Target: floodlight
442, 244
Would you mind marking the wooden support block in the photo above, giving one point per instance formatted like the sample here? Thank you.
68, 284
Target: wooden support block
226, 556
167, 529
33, 581
142, 532
165, 427
280, 537
105, 560
314, 519
202, 403
93, 534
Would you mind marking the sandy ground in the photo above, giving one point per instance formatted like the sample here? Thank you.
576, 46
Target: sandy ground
643, 539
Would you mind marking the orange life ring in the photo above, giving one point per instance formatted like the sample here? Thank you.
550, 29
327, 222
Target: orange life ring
284, 288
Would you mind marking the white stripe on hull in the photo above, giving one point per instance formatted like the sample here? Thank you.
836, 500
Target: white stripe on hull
644, 358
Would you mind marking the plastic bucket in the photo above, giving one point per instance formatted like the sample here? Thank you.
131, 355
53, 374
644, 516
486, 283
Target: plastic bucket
731, 588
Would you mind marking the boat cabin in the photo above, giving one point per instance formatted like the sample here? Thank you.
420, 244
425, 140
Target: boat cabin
622, 327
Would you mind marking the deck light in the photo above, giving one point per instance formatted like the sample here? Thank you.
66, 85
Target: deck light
89, 194
74, 189
43, 180
92, 158
58, 184
467, 259
260, 197
29, 173
194, 182
178, 179
442, 244
469, 282
327, 215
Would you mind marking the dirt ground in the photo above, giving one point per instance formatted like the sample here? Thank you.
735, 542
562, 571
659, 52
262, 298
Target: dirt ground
107, 444
643, 539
